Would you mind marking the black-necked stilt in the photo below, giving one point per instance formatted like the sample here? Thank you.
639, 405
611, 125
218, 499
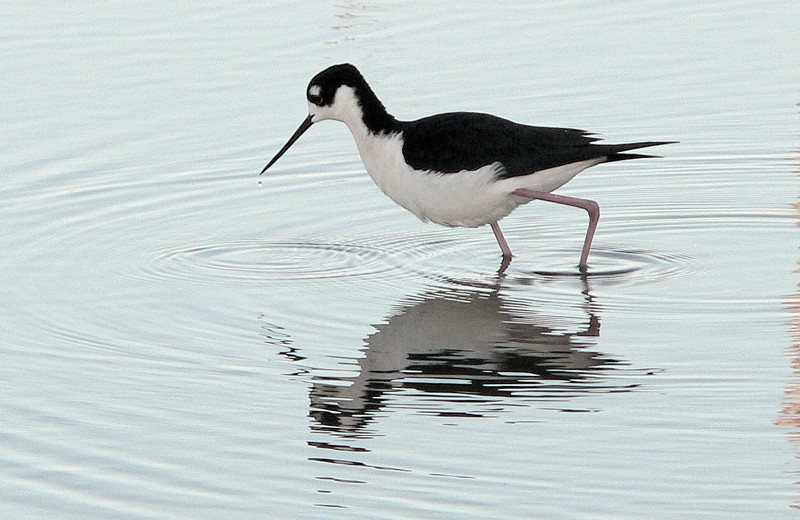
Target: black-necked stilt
459, 169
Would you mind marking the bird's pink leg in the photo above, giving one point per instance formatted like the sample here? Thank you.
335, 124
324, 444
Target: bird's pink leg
501, 240
590, 206
503, 247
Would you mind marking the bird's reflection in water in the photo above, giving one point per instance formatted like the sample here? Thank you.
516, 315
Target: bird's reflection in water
464, 352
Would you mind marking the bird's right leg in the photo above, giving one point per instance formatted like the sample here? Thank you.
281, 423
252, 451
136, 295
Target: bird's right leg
590, 206
501, 240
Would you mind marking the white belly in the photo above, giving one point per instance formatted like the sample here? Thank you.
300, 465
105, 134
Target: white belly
463, 199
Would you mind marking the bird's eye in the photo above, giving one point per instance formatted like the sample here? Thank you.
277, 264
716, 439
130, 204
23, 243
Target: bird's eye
315, 95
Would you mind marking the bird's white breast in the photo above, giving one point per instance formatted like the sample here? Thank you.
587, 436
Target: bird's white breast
467, 198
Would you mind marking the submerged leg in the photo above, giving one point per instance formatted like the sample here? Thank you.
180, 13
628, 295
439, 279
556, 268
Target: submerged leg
590, 206
501, 240
503, 247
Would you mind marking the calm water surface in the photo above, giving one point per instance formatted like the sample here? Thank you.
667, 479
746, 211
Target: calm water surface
181, 338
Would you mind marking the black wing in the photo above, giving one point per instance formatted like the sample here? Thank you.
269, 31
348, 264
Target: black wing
457, 141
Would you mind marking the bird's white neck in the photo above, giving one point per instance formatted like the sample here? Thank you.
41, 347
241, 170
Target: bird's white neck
347, 109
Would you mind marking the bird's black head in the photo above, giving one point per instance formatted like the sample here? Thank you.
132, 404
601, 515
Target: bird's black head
341, 93
322, 88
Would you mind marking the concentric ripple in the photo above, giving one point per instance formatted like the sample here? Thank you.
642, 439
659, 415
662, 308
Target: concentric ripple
619, 264
384, 257
262, 260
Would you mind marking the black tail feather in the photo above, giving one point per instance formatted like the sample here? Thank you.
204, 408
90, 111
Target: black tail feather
625, 156
617, 149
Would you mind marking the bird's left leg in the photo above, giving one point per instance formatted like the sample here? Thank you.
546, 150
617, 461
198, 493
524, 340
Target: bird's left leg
590, 206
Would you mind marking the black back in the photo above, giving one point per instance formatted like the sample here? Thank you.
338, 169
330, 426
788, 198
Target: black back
457, 141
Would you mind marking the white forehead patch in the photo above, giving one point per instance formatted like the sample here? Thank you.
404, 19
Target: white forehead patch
314, 90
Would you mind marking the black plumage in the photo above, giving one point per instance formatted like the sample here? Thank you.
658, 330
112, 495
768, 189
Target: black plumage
452, 142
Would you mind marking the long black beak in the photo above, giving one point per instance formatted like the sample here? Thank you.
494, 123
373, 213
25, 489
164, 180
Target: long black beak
303, 127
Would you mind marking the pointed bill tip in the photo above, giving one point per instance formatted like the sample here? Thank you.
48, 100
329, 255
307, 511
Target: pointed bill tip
269, 164
295, 136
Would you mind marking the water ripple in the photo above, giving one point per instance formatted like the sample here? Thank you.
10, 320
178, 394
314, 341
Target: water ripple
258, 260
261, 260
617, 265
